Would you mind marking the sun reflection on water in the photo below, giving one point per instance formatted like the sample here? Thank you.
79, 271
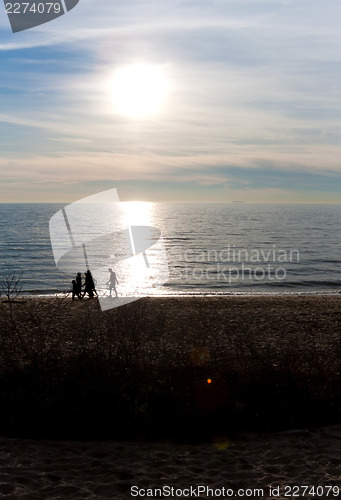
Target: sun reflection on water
140, 269
137, 213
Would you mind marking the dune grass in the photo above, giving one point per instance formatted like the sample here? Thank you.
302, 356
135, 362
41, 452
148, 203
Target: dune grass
181, 368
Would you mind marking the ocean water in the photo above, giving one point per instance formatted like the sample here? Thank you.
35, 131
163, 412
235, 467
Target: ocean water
236, 248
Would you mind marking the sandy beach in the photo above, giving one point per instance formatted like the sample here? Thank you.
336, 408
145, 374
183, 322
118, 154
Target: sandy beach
206, 340
250, 466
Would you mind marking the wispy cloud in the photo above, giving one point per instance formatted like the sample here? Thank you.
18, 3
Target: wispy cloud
253, 86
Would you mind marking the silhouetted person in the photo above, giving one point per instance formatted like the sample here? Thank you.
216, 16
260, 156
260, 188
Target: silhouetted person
112, 281
79, 283
91, 281
88, 284
75, 290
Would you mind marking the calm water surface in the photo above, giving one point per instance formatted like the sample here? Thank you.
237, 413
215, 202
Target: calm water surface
211, 248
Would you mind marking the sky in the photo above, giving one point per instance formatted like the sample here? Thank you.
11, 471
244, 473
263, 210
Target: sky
174, 100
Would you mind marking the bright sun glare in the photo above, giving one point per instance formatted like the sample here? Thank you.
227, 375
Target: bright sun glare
139, 90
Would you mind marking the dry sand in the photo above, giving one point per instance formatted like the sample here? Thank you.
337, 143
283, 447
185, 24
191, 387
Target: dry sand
99, 470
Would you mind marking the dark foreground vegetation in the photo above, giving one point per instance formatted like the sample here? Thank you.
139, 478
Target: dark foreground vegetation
178, 368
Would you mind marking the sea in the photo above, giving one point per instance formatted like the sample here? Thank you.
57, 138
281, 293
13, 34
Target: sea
208, 248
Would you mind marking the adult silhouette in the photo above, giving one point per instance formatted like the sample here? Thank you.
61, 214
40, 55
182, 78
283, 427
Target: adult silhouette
112, 281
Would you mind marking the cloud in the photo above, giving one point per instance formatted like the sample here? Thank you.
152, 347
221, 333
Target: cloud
253, 86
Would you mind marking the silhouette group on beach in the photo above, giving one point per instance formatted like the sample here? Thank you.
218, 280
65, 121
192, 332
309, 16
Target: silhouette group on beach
89, 285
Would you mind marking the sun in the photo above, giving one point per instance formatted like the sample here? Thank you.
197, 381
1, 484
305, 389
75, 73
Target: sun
139, 90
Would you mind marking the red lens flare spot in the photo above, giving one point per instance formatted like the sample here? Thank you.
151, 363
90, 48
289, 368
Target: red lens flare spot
209, 381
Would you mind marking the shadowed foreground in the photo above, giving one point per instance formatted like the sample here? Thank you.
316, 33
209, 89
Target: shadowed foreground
70, 371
